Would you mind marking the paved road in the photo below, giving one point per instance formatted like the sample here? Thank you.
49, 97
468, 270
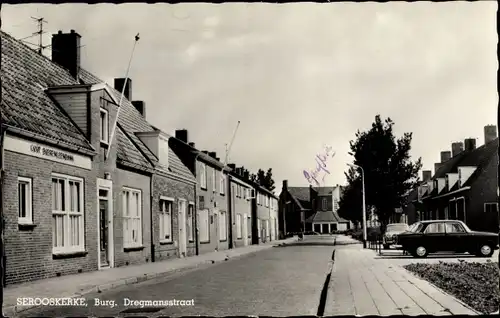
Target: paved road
282, 281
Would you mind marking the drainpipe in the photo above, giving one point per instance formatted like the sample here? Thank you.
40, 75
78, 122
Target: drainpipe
151, 197
2, 226
230, 210
197, 245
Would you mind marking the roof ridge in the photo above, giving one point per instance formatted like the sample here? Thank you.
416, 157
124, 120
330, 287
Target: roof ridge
38, 54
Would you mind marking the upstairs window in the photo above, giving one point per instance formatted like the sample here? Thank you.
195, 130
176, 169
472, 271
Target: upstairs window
214, 180
104, 126
203, 176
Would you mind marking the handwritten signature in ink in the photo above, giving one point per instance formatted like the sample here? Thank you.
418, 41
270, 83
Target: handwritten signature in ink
321, 166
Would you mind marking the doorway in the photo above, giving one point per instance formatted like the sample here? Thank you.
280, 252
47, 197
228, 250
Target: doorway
182, 228
105, 224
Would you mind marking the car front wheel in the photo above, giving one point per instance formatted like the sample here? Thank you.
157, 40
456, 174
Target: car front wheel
485, 250
420, 252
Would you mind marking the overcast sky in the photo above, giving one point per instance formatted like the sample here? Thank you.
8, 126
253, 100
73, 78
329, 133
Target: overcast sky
297, 76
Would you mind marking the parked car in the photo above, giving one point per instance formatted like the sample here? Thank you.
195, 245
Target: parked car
427, 237
390, 233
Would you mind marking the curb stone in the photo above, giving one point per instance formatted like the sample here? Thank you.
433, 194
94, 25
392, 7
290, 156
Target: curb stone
11, 311
442, 291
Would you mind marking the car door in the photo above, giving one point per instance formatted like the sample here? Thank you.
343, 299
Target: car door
434, 237
455, 237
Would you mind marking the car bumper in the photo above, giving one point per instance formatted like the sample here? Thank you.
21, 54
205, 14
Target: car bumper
389, 240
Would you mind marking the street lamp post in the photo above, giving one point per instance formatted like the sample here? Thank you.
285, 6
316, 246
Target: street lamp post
364, 204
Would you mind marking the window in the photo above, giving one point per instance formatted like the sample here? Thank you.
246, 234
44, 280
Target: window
452, 210
25, 201
461, 209
203, 176
222, 226
222, 184
132, 221
435, 228
266, 200
454, 228
190, 220
238, 226
258, 228
324, 204
204, 226
104, 126
67, 214
166, 213
491, 207
245, 193
258, 198
214, 180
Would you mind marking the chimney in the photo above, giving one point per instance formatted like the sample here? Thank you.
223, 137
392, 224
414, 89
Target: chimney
242, 171
182, 135
285, 184
246, 175
490, 133
456, 148
238, 171
212, 154
437, 165
66, 51
445, 156
140, 106
232, 166
119, 82
470, 144
192, 144
426, 175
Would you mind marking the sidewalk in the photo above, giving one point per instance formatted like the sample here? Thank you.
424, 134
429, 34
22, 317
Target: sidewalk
80, 284
363, 285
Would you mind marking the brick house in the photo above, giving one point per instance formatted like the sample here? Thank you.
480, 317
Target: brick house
240, 197
265, 223
311, 209
78, 194
211, 199
464, 187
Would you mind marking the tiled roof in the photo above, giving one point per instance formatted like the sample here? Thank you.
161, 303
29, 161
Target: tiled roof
325, 216
324, 190
479, 158
25, 105
132, 157
300, 193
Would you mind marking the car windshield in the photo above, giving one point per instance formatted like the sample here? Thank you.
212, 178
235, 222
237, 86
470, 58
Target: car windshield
397, 227
415, 227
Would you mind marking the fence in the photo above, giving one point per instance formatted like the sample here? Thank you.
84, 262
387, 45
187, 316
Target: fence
375, 243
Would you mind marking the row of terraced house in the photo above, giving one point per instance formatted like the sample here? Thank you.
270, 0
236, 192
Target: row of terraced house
464, 185
89, 184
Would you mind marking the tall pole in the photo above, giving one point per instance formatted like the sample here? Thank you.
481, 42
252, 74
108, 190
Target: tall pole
364, 206
364, 200
121, 98
1, 179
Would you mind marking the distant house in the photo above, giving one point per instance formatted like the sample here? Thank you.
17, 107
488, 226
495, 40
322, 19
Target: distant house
311, 209
464, 187
241, 193
213, 219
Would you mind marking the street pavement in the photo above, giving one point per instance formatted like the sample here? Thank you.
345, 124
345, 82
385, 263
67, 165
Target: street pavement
281, 281
364, 284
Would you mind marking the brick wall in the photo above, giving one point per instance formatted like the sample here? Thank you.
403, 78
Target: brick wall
482, 191
243, 207
221, 203
170, 187
29, 252
123, 178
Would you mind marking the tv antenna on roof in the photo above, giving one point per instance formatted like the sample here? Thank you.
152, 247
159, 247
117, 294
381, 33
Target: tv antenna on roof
40, 32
